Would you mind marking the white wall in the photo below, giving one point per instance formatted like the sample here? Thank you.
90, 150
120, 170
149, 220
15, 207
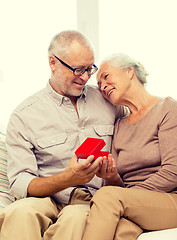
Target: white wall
146, 30
27, 27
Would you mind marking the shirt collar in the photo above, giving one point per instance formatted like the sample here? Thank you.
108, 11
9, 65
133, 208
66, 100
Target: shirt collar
60, 98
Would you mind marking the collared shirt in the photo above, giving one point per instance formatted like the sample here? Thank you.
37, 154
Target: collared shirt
45, 130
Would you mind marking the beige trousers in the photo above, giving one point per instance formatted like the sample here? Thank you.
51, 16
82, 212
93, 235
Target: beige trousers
122, 214
31, 218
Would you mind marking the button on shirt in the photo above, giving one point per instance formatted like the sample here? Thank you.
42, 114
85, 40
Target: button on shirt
45, 130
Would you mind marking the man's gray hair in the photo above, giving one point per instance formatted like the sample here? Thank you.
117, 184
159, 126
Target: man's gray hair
123, 61
61, 42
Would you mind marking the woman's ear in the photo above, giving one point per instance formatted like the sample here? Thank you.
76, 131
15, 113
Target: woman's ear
52, 63
130, 72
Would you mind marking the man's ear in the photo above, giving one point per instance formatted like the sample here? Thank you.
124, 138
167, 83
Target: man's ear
52, 63
130, 72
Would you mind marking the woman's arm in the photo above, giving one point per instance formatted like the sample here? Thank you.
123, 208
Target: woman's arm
165, 179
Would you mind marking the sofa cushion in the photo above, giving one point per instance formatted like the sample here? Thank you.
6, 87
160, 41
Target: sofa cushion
169, 234
5, 197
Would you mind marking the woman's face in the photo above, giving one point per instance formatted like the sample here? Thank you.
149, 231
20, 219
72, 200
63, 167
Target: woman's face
114, 82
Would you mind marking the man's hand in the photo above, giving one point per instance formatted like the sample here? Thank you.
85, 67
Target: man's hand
84, 171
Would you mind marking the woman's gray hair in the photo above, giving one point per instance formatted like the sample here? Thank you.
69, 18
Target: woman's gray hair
61, 42
123, 61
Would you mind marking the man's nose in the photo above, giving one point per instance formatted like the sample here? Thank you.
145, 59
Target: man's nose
85, 76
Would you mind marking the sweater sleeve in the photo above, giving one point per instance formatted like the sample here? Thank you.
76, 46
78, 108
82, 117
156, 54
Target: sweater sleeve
165, 179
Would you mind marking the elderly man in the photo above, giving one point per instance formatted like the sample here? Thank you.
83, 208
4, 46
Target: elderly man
52, 187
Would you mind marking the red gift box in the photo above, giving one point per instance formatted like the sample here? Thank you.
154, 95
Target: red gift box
91, 146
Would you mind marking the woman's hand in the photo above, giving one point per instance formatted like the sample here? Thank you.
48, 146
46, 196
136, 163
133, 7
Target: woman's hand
108, 171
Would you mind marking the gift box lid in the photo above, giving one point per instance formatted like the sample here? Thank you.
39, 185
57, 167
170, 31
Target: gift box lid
91, 146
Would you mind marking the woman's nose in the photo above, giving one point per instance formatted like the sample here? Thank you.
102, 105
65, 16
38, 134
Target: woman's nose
103, 88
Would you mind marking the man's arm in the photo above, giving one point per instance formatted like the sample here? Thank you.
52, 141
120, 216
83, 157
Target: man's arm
23, 172
75, 174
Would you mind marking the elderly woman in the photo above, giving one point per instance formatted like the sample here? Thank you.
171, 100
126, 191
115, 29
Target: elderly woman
145, 150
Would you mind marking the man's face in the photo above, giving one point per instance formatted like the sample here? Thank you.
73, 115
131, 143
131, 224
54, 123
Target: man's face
63, 79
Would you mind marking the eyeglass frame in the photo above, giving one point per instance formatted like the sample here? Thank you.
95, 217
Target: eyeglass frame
74, 69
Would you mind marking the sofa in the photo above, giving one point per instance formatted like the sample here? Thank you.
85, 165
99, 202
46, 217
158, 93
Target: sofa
6, 198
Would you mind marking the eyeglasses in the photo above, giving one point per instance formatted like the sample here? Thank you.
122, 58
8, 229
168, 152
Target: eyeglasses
79, 71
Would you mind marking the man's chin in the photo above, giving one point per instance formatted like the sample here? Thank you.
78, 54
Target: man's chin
78, 92
74, 94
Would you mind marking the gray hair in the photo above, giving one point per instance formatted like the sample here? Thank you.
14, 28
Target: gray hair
123, 61
62, 41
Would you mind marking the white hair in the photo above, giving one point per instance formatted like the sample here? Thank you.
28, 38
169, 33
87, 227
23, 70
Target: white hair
123, 61
61, 42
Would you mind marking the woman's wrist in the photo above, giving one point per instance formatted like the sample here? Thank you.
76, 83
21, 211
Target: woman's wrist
115, 181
